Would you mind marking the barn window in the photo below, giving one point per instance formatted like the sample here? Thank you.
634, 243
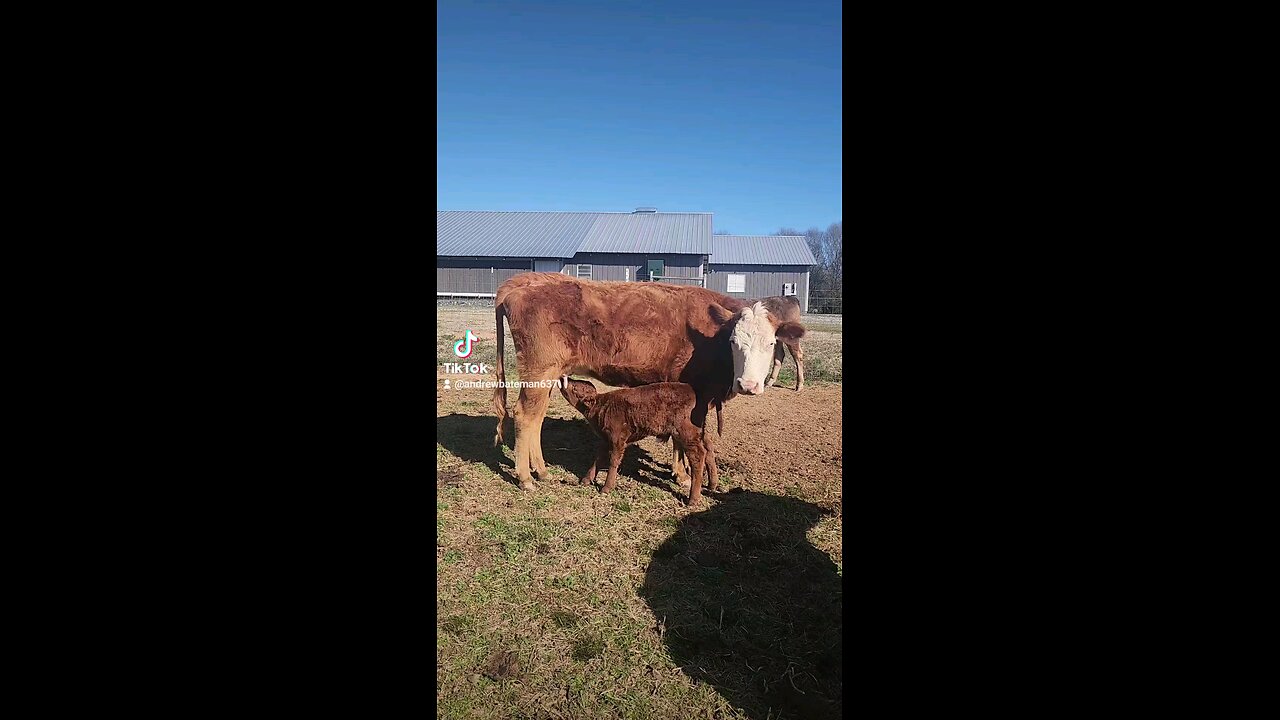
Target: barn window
584, 272
737, 283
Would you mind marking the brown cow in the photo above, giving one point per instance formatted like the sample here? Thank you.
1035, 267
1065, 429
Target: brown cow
787, 308
622, 417
627, 334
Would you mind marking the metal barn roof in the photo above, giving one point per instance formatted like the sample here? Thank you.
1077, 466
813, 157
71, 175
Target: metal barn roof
760, 250
650, 232
466, 233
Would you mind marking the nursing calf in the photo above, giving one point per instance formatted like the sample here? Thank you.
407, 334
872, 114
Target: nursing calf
619, 418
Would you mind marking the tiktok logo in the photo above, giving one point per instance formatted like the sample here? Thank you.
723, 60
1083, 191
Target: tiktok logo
466, 340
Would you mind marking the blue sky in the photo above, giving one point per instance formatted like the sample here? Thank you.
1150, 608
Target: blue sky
728, 107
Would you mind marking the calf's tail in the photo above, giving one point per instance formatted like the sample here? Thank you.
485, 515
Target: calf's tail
500, 392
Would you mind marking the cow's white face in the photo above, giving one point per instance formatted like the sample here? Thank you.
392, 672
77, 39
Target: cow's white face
753, 341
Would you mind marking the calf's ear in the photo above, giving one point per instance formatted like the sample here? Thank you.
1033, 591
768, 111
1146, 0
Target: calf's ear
719, 313
790, 331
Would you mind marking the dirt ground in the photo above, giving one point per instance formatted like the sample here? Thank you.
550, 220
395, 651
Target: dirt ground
568, 603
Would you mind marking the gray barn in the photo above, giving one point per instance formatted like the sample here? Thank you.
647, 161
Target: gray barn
756, 266
476, 251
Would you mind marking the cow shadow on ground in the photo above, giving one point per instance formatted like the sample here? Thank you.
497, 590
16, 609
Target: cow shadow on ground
747, 605
569, 444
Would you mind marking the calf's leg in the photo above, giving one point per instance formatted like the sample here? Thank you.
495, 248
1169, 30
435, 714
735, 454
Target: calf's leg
691, 442
779, 354
678, 472
615, 459
797, 354
601, 460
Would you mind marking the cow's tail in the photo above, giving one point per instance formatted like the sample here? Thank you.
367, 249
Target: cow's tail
500, 392
720, 418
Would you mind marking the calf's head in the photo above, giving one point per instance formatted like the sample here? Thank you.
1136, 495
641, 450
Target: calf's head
580, 393
755, 334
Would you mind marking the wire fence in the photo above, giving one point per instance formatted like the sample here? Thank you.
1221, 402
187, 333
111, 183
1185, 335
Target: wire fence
826, 304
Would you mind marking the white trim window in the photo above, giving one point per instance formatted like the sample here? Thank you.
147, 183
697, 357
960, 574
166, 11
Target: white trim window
735, 283
584, 272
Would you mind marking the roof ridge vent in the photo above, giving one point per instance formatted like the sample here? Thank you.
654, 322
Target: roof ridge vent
647, 210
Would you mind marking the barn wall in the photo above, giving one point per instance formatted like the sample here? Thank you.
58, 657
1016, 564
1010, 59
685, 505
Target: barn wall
478, 275
613, 266
761, 281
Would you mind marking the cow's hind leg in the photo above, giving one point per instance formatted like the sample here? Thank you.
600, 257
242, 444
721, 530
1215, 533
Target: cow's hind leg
779, 354
530, 409
536, 462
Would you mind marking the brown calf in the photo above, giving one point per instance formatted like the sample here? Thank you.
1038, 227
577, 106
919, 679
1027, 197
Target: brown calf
619, 418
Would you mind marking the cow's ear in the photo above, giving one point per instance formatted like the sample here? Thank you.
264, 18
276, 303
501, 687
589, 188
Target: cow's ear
790, 331
719, 314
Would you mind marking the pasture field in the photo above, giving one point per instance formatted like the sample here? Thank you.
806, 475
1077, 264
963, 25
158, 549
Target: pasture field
567, 603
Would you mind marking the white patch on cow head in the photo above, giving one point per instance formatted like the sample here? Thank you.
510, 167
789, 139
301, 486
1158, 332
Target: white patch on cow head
753, 343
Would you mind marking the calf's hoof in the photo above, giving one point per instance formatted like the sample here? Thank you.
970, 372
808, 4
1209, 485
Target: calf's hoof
528, 486
684, 483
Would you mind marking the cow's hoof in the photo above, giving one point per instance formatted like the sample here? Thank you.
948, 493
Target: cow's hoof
528, 486
685, 483
799, 388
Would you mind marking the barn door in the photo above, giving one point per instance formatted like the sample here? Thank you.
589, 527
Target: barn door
657, 268
546, 266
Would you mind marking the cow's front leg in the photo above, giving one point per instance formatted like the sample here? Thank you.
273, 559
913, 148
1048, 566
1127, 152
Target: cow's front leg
713, 473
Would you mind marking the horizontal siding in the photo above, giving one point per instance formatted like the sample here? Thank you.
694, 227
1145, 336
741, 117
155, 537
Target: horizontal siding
629, 266
476, 275
759, 284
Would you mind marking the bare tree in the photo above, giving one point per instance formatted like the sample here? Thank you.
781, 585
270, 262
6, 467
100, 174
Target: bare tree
825, 279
